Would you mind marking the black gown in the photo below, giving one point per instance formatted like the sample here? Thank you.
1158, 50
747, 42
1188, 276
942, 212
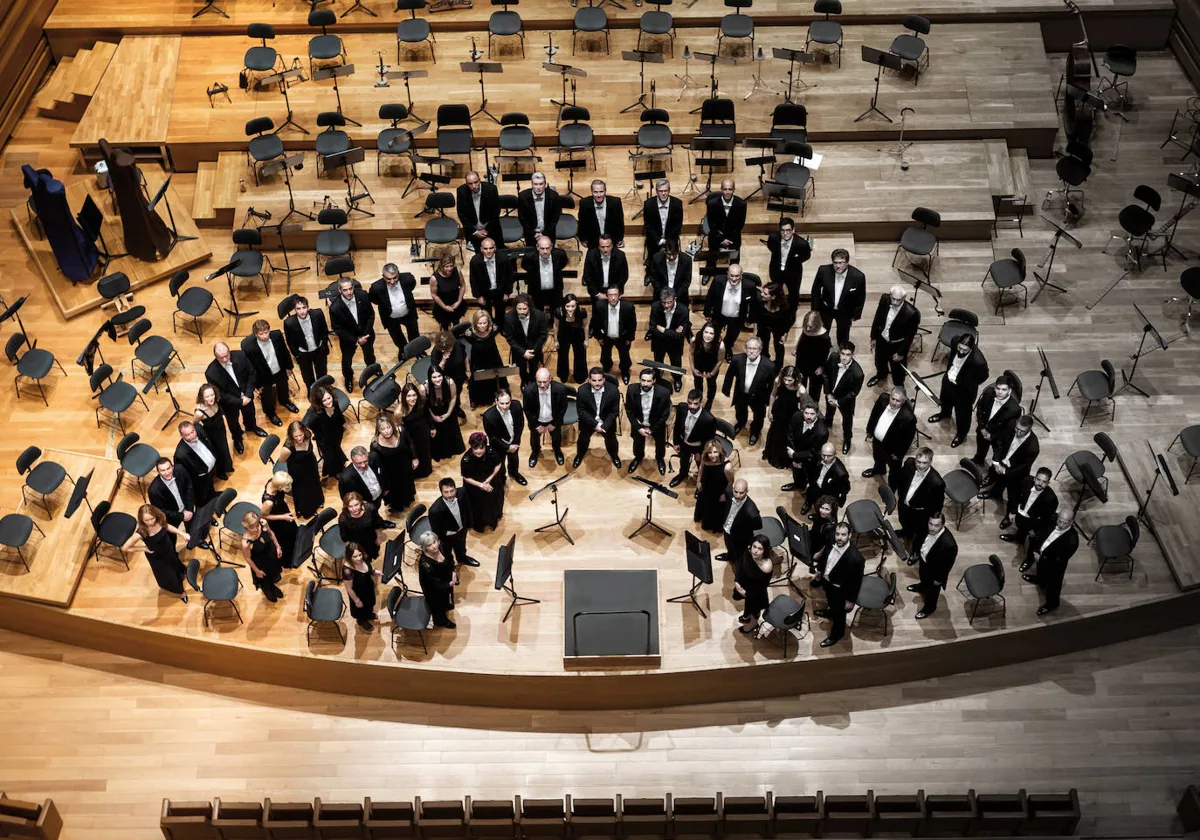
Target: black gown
396, 463
572, 342
307, 492
262, 552
786, 404
448, 442
436, 582
214, 428
448, 289
164, 561
363, 584
363, 529
453, 364
755, 581
708, 499
812, 352
485, 355
328, 432
820, 535
417, 425
487, 508
283, 530
706, 360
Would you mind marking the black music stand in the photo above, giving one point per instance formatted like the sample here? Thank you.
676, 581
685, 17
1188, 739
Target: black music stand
647, 177
286, 164
1161, 470
1189, 189
564, 70
165, 198
482, 67
922, 388
505, 580
203, 521
405, 75
699, 563
1043, 375
709, 144
793, 57
641, 57
880, 59
558, 517
651, 488
782, 198
235, 314
284, 80
763, 158
91, 220
356, 190
336, 73
571, 164
161, 375
1059, 233
1147, 330
713, 60
79, 495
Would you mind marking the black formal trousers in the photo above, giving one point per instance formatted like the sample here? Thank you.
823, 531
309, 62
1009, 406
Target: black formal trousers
756, 414
915, 522
835, 605
843, 322
572, 361
700, 383
800, 475
659, 436
274, 392
584, 440
931, 590
847, 411
1050, 578
312, 366
960, 402
686, 454
882, 463
397, 327
455, 547
672, 352
885, 364
248, 419
535, 440
606, 348
348, 350
728, 330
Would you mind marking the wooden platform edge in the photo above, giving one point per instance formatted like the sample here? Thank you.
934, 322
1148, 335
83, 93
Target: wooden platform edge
602, 691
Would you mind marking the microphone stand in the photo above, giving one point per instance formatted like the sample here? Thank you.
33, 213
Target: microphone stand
1037, 394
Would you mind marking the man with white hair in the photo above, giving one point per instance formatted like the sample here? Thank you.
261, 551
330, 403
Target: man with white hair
538, 210
1051, 547
663, 217
892, 333
748, 382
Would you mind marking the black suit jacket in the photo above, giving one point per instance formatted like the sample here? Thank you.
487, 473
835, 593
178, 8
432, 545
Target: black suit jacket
533, 276
348, 330
1043, 510
610, 404
847, 575
1001, 426
793, 269
904, 327
349, 481
852, 380
527, 214
593, 273
1058, 552
678, 318
1023, 459
496, 431
654, 230
481, 285
378, 295
722, 226
190, 460
258, 361
294, 334
558, 403
518, 339
929, 497
626, 318
900, 434
941, 557
162, 499
442, 521
716, 291
703, 431
614, 221
489, 211
656, 271
231, 392
807, 445
974, 371
745, 523
854, 293
660, 407
836, 483
760, 389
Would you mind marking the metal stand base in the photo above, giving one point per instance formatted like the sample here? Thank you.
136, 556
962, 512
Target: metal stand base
690, 597
558, 520
649, 521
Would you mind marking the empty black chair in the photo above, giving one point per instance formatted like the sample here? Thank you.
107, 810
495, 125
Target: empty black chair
826, 32
984, 580
416, 524
333, 140
251, 262
261, 59
786, 614
657, 23
394, 140
1190, 438
378, 391
219, 586
962, 485
114, 396
415, 30
323, 47
510, 224
43, 479
112, 528
654, 135
454, 134
1007, 275
590, 19
789, 121
516, 139
1137, 221
323, 605
568, 224
15, 531
736, 24
576, 135
876, 594
441, 229
797, 177
1114, 543
1096, 386
911, 47
1121, 61
921, 242
505, 24
718, 118
408, 612
264, 145
332, 241
1072, 169
34, 364
194, 302
1076, 461
153, 351
137, 459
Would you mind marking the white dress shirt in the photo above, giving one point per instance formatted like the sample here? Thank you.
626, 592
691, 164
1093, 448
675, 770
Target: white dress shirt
840, 373
598, 395
546, 273
490, 265
352, 305
174, 488
453, 505
996, 406
545, 414
824, 472
539, 207
672, 267
1053, 535
601, 215
203, 453
1032, 498
885, 422
605, 262
267, 348
371, 481
306, 329
228, 366
751, 372
956, 366
1012, 448
785, 248
735, 507
918, 477
647, 401
834, 555
927, 546
731, 302
664, 208
839, 281
395, 293
476, 198
885, 333
506, 417
524, 322
689, 423
613, 330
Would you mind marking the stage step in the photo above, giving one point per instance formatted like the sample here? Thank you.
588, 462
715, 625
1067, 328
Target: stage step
1022, 178
70, 89
218, 186
999, 167
90, 69
56, 91
203, 213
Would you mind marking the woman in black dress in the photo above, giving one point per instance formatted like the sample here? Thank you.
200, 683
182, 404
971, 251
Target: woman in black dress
485, 355
328, 426
775, 319
212, 421
300, 455
484, 479
448, 290
437, 578
812, 352
449, 355
412, 417
358, 576
824, 521
443, 417
751, 577
263, 555
572, 341
278, 515
713, 477
786, 404
706, 362
393, 450
158, 537
361, 523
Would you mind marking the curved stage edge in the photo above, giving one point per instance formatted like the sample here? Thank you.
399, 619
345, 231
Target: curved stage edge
603, 691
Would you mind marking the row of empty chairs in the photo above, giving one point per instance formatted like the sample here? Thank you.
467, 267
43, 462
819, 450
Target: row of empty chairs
860, 815
29, 819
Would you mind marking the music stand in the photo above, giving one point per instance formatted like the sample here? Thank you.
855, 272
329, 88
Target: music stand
782, 198
880, 59
505, 580
641, 57
1189, 189
1043, 375
757, 81
235, 314
763, 158
564, 70
482, 67
488, 374
709, 144
1059, 233
345, 161
793, 57
91, 219
571, 164
1147, 330
558, 517
713, 60
286, 164
284, 80
405, 75
1161, 470
162, 196
79, 494
651, 488
699, 562
647, 177
922, 388
87, 359
161, 375
336, 73
686, 80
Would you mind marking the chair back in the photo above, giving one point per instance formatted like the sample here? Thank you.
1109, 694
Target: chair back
394, 111
927, 218
225, 500
410, 6
284, 307
828, 7
250, 237
99, 512
575, 113
25, 459
12, 347
267, 448
193, 574
973, 469
1018, 387
323, 518
453, 115
1148, 196
393, 600
1019, 258
414, 516
1110, 374
369, 373
333, 216
789, 114
310, 591
916, 24
262, 31
259, 125
655, 115
514, 118
1121, 52
717, 110
339, 266
997, 569
113, 285
439, 202
1108, 449
888, 498
123, 446
1135, 530
177, 280
138, 330
1080, 152
330, 120
100, 377
966, 316
416, 348
322, 18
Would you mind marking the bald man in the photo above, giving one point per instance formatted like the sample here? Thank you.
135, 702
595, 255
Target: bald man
741, 520
892, 333
726, 216
231, 373
478, 207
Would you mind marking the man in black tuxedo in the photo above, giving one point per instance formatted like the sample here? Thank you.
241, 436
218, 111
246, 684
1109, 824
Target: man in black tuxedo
171, 492
503, 423
363, 476
392, 295
1031, 506
491, 278
1051, 548
353, 321
694, 426
525, 330
1012, 460
231, 374
544, 274
307, 336
598, 403
451, 517
728, 304
843, 382
890, 431
603, 268
478, 206
602, 213
996, 416
662, 217
195, 454
920, 493
726, 216
268, 355
538, 210
648, 405
669, 269
966, 370
670, 329
750, 377
828, 477
788, 255
936, 554
839, 292
741, 520
614, 324
840, 573
545, 404
807, 433
892, 332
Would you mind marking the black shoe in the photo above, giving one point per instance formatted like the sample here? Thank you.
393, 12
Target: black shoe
937, 418
957, 442
662, 467
748, 628
260, 432
977, 461
449, 625
292, 407
821, 613
830, 642
366, 625
873, 381
742, 619
1044, 610
617, 463
1030, 579
239, 447
737, 429
183, 597
517, 477
753, 438
270, 596
922, 615
576, 462
913, 587
469, 561
871, 472
738, 596
728, 356
625, 378
1009, 538
532, 461
676, 481
789, 487
806, 507
988, 494
349, 383
845, 449
678, 385
558, 456
275, 421
1006, 522
634, 464
723, 557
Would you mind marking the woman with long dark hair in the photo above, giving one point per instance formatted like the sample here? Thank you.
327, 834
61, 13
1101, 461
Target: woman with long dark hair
572, 341
393, 450
483, 479
328, 426
774, 319
713, 476
443, 417
158, 537
785, 405
812, 353
358, 577
300, 455
448, 291
751, 578
208, 415
706, 362
413, 417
